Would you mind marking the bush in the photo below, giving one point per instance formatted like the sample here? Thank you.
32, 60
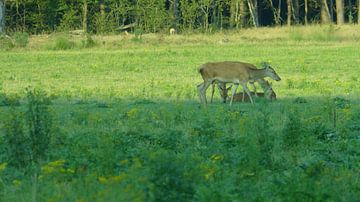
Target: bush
21, 39
63, 43
88, 42
137, 36
6, 42
39, 122
6, 100
293, 130
17, 142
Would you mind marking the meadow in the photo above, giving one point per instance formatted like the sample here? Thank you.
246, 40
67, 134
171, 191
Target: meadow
121, 120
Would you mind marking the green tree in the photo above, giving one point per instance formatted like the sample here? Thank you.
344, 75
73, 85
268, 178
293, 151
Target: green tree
188, 13
2, 16
340, 12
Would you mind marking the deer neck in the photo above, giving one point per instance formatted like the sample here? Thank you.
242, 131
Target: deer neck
256, 74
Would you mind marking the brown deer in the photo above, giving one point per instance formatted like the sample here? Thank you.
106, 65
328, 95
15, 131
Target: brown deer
232, 72
243, 97
268, 93
222, 89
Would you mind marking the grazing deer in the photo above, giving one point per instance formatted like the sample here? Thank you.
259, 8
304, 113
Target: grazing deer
222, 89
243, 97
232, 72
268, 93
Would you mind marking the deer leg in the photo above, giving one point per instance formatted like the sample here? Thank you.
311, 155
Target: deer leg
204, 88
253, 85
212, 92
199, 87
233, 93
223, 90
227, 89
247, 91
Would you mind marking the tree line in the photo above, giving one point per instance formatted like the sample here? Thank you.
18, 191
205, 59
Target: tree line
110, 16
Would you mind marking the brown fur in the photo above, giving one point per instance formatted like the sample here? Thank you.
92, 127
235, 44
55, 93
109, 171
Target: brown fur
232, 72
238, 97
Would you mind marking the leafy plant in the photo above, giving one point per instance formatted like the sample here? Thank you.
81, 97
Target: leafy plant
6, 43
39, 123
63, 43
17, 141
21, 39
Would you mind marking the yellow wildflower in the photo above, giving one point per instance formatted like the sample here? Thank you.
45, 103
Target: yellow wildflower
132, 113
210, 173
58, 163
2, 166
118, 178
69, 170
124, 162
17, 183
102, 180
217, 157
47, 169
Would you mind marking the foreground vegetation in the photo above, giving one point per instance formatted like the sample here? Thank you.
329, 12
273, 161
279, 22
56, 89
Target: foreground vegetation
122, 122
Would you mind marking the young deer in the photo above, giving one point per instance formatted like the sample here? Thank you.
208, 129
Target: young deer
243, 97
222, 89
268, 93
232, 72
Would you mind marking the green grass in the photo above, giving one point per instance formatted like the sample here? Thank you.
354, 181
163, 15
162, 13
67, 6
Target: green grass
126, 123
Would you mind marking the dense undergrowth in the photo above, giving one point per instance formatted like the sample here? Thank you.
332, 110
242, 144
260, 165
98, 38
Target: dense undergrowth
145, 150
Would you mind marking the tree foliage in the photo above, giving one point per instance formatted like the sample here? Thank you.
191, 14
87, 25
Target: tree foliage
109, 16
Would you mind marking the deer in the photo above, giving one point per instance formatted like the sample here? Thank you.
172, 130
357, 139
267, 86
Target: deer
242, 97
268, 93
224, 91
232, 72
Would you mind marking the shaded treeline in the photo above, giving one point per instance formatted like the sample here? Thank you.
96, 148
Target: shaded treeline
106, 16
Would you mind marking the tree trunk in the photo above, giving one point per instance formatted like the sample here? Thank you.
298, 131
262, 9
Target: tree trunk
340, 12
295, 9
85, 11
306, 12
252, 4
102, 7
331, 10
2, 16
236, 13
276, 11
358, 12
243, 13
325, 14
289, 11
174, 12
102, 16
232, 13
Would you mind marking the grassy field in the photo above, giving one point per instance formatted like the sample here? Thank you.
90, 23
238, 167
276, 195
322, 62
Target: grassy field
121, 121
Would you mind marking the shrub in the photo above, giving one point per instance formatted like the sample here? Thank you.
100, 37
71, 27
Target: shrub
137, 35
17, 143
21, 39
293, 130
9, 100
63, 43
88, 42
39, 122
6, 42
